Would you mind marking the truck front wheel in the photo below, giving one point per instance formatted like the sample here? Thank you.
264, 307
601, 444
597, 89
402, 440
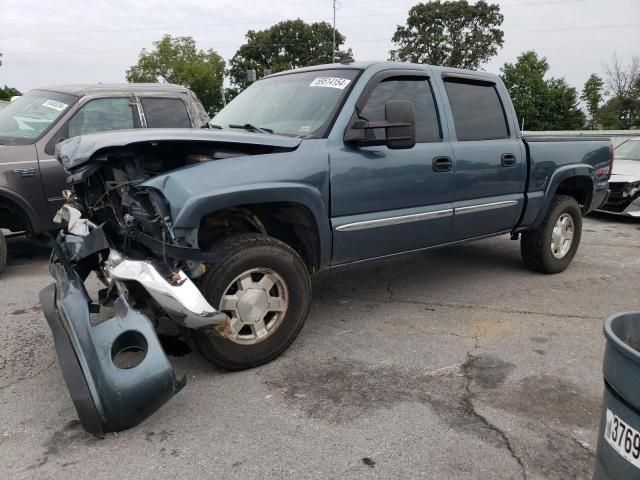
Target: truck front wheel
3, 251
550, 248
264, 288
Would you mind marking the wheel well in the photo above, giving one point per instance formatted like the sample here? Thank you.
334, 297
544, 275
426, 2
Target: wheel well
580, 188
13, 216
290, 223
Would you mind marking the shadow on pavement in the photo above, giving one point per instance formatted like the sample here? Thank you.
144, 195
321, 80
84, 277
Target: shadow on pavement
23, 249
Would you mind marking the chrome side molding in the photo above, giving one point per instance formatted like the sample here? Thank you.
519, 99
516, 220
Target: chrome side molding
484, 207
385, 222
418, 217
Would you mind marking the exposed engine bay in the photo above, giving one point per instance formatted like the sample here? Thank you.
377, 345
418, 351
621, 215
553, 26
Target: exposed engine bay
121, 230
107, 190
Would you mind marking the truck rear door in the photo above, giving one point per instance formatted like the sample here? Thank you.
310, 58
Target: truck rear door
490, 161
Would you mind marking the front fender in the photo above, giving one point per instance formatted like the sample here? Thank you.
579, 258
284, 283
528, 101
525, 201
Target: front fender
188, 216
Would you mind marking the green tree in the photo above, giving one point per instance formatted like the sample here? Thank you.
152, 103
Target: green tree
543, 104
609, 115
7, 92
563, 109
592, 96
177, 60
285, 45
450, 33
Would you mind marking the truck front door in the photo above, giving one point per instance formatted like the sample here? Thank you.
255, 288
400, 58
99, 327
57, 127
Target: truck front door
387, 201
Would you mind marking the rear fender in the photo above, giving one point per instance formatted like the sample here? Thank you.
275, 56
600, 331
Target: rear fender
559, 176
22, 204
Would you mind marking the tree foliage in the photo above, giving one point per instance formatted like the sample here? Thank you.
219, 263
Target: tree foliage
543, 104
285, 45
7, 92
177, 60
623, 81
592, 96
450, 33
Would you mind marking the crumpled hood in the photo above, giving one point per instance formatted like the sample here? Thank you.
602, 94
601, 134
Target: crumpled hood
79, 150
625, 171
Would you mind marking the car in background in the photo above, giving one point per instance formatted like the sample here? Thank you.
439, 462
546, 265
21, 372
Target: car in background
625, 180
32, 180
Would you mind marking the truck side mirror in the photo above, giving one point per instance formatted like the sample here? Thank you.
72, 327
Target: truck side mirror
399, 126
400, 113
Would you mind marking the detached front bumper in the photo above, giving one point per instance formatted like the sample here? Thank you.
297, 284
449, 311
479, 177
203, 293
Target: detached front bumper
115, 368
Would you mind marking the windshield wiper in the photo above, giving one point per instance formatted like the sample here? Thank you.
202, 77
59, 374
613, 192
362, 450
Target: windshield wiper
216, 127
252, 128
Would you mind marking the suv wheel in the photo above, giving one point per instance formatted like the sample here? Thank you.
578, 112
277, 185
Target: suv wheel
550, 248
263, 286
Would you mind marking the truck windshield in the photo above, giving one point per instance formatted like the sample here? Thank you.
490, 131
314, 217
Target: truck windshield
298, 104
24, 120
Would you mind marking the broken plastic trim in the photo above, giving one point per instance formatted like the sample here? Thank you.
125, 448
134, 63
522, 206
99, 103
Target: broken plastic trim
107, 397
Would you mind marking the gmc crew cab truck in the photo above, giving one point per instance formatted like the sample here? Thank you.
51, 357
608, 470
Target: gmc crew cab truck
31, 178
218, 231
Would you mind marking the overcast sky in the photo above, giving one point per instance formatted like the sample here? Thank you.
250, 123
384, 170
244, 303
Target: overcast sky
81, 41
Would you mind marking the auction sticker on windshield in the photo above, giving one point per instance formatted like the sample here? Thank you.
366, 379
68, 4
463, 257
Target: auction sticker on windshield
59, 106
330, 82
624, 439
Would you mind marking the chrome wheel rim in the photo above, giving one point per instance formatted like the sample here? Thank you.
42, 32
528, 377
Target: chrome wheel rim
562, 236
256, 302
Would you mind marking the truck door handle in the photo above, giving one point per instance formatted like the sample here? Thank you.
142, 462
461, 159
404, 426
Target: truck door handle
442, 164
508, 159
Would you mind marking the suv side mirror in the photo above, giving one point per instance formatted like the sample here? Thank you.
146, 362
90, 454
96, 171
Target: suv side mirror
399, 125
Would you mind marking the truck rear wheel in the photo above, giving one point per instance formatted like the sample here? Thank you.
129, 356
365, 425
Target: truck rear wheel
3, 252
263, 286
550, 248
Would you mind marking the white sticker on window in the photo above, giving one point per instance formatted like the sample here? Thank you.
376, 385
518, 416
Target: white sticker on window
330, 82
59, 106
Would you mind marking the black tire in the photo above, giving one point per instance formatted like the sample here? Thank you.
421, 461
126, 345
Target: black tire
239, 254
3, 252
535, 245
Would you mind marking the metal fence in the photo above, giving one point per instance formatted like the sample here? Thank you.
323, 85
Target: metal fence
617, 136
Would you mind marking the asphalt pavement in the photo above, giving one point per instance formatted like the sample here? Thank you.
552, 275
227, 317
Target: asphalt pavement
456, 363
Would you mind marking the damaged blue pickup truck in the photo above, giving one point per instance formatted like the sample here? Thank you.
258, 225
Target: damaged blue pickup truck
217, 232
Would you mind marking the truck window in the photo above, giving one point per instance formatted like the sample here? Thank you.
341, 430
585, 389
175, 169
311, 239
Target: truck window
477, 110
416, 90
100, 115
165, 113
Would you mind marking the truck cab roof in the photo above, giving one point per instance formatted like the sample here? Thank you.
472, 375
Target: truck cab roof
379, 65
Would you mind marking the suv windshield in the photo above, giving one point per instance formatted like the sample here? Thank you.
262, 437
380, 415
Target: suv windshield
297, 104
24, 120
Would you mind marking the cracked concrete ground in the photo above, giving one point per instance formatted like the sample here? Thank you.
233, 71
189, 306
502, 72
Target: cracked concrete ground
456, 363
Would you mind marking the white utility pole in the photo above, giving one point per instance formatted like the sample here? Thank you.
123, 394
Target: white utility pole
333, 52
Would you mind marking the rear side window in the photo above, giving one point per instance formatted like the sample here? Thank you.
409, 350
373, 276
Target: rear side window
415, 90
477, 110
100, 115
165, 113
